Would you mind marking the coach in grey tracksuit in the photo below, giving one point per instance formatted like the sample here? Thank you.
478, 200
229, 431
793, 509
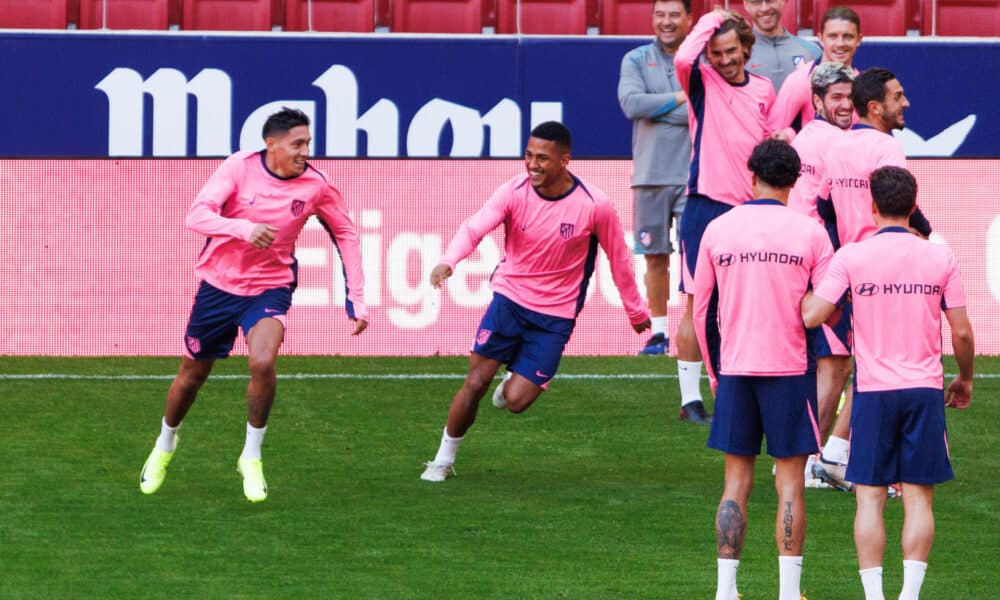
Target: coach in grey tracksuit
651, 97
776, 52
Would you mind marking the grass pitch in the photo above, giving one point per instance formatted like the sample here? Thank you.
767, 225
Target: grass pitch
596, 492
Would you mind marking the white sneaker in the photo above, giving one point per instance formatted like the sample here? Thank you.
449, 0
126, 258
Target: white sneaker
812, 481
498, 400
437, 473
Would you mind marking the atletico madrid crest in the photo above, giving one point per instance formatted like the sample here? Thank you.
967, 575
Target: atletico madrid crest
483, 336
297, 206
566, 230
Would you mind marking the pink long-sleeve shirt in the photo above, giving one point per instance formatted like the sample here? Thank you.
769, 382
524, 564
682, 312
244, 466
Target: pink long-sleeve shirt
243, 193
812, 145
899, 285
726, 120
550, 247
848, 165
762, 257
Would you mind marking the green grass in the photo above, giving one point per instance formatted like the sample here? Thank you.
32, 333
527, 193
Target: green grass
596, 492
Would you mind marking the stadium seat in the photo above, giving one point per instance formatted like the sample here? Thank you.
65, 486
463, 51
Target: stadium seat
634, 17
547, 17
227, 15
330, 15
961, 17
34, 14
124, 14
437, 16
878, 17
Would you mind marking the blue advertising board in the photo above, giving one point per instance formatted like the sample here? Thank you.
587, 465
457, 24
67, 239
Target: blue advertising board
86, 94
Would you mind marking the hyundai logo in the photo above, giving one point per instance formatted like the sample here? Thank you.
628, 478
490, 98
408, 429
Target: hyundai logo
866, 289
724, 260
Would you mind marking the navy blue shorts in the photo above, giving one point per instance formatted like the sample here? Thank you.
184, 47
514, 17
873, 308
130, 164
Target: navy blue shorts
899, 435
836, 340
782, 408
698, 213
217, 315
530, 343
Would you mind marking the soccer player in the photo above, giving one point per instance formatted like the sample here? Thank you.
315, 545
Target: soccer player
900, 285
840, 36
760, 258
845, 200
651, 97
251, 210
553, 223
777, 52
728, 117
831, 95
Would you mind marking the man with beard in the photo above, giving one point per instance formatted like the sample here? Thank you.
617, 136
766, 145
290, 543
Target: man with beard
777, 52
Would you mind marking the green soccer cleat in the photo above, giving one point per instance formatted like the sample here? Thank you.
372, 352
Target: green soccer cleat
155, 470
254, 486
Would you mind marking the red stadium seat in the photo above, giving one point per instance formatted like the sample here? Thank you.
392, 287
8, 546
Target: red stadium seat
437, 16
961, 17
33, 14
547, 17
124, 14
227, 15
878, 17
330, 15
635, 17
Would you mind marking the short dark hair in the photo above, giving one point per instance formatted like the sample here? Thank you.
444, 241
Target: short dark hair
280, 122
775, 163
870, 85
554, 131
840, 13
686, 3
744, 32
894, 190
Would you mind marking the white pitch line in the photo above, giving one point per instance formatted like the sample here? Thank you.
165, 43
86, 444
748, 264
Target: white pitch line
384, 376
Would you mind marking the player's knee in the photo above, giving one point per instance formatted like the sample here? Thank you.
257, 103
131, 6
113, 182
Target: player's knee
262, 366
477, 384
518, 403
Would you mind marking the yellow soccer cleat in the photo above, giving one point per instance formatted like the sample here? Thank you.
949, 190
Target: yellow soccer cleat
254, 486
154, 471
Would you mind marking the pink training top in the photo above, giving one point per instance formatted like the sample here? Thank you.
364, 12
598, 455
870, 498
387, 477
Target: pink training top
812, 144
243, 193
899, 285
762, 257
793, 108
726, 120
848, 164
550, 247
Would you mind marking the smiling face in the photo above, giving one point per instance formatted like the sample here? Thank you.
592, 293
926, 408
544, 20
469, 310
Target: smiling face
671, 23
546, 164
890, 111
835, 106
727, 56
840, 40
765, 15
287, 153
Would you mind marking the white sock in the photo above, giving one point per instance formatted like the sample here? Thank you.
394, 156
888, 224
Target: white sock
872, 580
659, 325
726, 589
689, 374
913, 578
167, 441
255, 437
836, 450
449, 446
790, 575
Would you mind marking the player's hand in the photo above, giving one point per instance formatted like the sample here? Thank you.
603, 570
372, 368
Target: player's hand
262, 236
640, 327
680, 97
439, 274
359, 326
780, 135
958, 394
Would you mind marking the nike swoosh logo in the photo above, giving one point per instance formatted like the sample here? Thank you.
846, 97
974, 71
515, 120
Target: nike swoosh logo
271, 311
540, 374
